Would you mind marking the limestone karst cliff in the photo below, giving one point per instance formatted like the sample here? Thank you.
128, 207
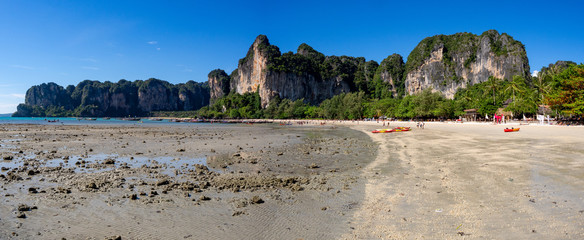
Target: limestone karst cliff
219, 84
391, 71
444, 63
306, 74
448, 62
94, 98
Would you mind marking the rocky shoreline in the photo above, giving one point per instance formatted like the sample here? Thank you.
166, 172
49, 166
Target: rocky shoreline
212, 181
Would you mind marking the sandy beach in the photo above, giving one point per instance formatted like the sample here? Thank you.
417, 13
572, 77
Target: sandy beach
311, 181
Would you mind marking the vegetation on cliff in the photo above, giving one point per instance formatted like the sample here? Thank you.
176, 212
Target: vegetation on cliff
353, 70
562, 88
124, 98
374, 89
450, 61
453, 44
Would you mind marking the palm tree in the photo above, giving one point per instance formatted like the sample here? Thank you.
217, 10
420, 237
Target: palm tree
517, 85
493, 84
542, 85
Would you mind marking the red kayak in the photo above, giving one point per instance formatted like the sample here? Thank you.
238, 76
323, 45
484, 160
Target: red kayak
511, 129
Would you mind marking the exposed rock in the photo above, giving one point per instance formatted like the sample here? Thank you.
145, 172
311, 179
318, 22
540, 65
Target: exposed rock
219, 84
32, 172
391, 71
91, 185
294, 76
162, 182
313, 165
257, 200
23, 208
109, 161
237, 213
94, 98
134, 197
448, 62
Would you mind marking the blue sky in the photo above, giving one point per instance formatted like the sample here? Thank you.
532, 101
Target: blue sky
70, 41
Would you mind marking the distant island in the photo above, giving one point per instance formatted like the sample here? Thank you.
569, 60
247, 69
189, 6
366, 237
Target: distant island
443, 76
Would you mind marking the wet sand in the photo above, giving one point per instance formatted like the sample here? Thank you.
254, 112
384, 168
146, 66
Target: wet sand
181, 182
333, 181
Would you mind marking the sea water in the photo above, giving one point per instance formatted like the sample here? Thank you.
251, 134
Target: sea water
76, 121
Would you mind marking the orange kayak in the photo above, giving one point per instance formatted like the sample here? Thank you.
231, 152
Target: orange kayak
511, 129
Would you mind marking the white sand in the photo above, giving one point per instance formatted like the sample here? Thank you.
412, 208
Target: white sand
474, 180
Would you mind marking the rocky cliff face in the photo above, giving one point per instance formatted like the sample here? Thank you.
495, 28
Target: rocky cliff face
391, 71
155, 95
219, 84
307, 75
192, 96
48, 94
94, 98
446, 63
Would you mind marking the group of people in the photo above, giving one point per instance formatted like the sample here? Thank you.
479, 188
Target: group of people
420, 125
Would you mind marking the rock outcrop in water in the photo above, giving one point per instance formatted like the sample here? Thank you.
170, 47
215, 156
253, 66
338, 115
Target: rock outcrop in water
124, 98
448, 62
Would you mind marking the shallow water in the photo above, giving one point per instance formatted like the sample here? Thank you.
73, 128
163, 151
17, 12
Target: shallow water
94, 163
98, 121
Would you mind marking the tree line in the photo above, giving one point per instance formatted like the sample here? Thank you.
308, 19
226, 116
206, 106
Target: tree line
559, 86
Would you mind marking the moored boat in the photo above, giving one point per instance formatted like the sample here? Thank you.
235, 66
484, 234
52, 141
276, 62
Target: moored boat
131, 119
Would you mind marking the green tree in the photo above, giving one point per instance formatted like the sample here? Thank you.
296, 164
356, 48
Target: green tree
568, 93
492, 84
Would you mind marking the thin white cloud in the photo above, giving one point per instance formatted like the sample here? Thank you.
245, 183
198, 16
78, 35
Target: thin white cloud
90, 68
188, 70
152, 42
534, 73
22, 67
157, 49
13, 95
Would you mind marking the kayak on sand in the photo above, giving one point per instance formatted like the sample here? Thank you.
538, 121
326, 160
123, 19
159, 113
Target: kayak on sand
511, 129
387, 130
